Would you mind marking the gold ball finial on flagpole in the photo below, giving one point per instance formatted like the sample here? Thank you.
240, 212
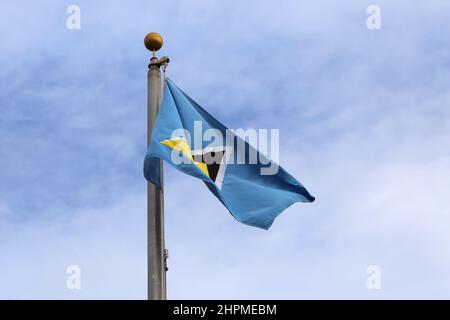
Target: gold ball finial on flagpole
153, 41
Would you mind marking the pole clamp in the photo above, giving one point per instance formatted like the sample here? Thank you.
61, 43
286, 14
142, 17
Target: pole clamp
158, 63
166, 256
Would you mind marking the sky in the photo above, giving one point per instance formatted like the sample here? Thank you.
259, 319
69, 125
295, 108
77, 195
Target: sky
364, 119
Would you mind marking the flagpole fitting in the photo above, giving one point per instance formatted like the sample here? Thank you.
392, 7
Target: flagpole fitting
153, 41
158, 63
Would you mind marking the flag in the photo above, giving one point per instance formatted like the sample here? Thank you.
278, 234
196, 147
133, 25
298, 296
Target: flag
254, 189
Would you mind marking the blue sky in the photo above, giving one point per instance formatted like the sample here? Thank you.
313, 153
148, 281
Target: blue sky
364, 120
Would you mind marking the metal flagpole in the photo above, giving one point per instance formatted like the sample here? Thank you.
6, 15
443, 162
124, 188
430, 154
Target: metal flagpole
157, 254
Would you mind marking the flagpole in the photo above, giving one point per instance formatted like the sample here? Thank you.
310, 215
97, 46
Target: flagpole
156, 252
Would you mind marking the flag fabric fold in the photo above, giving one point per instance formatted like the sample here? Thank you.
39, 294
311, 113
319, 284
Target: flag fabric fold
251, 197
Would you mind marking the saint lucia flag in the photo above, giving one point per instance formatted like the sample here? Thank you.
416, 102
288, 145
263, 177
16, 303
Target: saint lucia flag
191, 140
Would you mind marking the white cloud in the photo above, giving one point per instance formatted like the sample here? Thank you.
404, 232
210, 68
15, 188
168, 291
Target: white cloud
108, 243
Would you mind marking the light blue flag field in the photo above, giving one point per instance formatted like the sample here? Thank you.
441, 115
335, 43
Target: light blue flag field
253, 188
